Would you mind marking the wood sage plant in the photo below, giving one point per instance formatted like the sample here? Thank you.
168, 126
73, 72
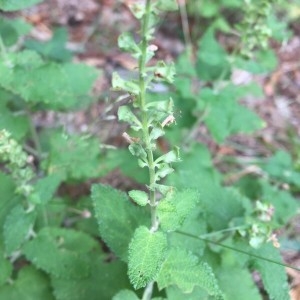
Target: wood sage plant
137, 228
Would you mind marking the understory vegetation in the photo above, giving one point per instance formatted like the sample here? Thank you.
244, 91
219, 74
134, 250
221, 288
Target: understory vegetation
187, 200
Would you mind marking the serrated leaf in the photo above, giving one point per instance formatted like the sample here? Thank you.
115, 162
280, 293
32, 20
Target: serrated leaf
146, 252
229, 202
127, 43
281, 166
162, 171
16, 228
126, 295
125, 114
104, 281
137, 9
211, 58
184, 270
30, 284
196, 169
170, 157
225, 116
286, 206
156, 133
125, 85
62, 253
11, 5
139, 197
67, 153
273, 276
45, 188
138, 151
56, 85
237, 283
117, 218
173, 210
164, 72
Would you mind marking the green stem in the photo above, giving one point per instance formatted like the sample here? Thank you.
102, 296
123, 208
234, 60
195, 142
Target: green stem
145, 128
145, 121
238, 250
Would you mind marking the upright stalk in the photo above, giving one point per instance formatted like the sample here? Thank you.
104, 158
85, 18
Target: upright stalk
145, 122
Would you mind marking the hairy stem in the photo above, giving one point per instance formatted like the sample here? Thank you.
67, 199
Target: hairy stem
145, 128
145, 121
3, 50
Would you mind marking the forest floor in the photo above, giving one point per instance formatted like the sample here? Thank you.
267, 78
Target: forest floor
94, 27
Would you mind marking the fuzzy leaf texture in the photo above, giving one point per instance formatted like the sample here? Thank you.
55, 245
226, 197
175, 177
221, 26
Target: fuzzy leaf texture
184, 270
146, 253
60, 252
273, 276
16, 228
117, 218
139, 197
103, 282
30, 284
57, 85
12, 5
173, 210
68, 156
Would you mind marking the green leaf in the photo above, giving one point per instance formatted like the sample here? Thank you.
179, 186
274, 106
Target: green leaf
17, 125
129, 86
68, 156
211, 58
184, 270
170, 157
196, 169
126, 295
273, 276
167, 5
31, 284
285, 204
16, 228
146, 253
55, 48
104, 281
139, 197
230, 205
5, 267
127, 43
11, 5
61, 252
117, 218
174, 293
125, 114
59, 86
45, 188
173, 210
162, 171
239, 284
8, 199
225, 116
281, 167
164, 72
8, 34
138, 151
